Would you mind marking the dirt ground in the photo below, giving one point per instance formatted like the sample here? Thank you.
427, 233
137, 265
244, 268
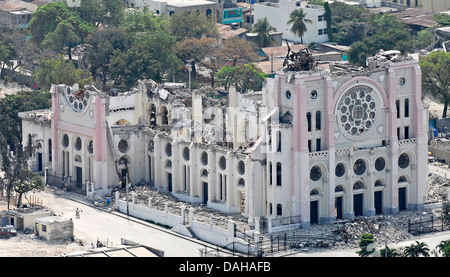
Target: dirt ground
28, 245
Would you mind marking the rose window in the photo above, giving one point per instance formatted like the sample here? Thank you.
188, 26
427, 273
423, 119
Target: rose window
78, 100
357, 112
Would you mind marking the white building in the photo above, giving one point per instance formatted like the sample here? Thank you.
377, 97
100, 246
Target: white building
278, 16
169, 7
314, 146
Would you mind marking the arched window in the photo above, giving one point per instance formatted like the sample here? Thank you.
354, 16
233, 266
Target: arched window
279, 142
164, 115
406, 107
318, 121
379, 183
338, 188
90, 147
358, 185
204, 173
241, 167
204, 158
65, 140
278, 174
168, 149
270, 173
308, 118
222, 163
49, 150
397, 105
78, 143
186, 154
279, 209
241, 182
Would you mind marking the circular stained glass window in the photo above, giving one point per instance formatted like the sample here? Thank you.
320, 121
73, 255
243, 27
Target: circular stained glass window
356, 111
380, 164
340, 170
288, 94
316, 173
359, 167
403, 160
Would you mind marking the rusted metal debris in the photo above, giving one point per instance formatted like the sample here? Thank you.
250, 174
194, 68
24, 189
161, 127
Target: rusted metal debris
299, 61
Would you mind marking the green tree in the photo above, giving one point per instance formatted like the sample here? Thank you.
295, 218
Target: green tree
445, 212
384, 32
60, 71
138, 21
61, 39
16, 175
105, 12
101, 45
442, 18
444, 248
193, 25
367, 245
389, 252
329, 19
236, 49
263, 29
436, 76
415, 250
150, 55
46, 18
424, 39
245, 77
348, 22
298, 19
11, 105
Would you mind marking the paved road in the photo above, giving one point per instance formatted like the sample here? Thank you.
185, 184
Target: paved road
97, 224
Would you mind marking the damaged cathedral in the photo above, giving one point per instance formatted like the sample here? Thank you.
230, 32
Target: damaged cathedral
315, 145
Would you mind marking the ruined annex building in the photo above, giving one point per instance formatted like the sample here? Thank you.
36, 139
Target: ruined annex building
315, 145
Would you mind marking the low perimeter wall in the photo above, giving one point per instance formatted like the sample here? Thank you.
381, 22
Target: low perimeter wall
187, 225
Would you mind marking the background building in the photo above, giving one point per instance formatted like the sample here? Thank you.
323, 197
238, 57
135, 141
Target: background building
278, 16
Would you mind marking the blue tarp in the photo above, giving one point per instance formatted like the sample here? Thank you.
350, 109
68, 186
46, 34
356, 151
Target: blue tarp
435, 131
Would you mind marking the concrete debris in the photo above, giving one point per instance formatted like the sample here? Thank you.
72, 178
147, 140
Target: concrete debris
299, 61
159, 198
383, 59
438, 189
343, 234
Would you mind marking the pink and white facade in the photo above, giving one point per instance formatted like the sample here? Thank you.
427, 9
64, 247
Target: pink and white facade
313, 147
356, 144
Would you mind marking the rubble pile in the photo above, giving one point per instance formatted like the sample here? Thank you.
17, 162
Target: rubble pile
387, 229
160, 198
438, 189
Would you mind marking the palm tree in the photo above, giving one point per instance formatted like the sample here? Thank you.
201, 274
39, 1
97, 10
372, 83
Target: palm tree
420, 248
298, 20
263, 28
388, 252
444, 247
